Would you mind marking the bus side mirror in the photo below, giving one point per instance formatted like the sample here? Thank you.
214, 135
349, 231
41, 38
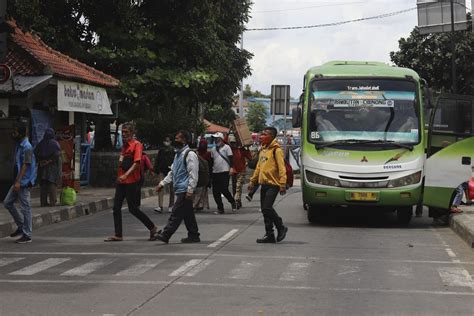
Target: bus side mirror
296, 117
427, 98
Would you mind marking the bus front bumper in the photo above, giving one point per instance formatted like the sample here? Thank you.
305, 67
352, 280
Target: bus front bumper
361, 197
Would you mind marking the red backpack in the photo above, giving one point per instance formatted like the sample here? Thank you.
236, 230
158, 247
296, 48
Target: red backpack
288, 170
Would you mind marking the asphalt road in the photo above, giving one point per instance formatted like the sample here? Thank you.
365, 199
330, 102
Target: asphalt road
351, 265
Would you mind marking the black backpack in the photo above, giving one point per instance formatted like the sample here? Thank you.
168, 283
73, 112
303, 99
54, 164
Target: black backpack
203, 173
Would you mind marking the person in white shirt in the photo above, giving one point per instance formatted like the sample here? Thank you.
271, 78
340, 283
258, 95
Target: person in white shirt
184, 175
222, 158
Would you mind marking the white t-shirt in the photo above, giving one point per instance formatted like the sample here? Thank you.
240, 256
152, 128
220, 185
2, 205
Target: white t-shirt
220, 165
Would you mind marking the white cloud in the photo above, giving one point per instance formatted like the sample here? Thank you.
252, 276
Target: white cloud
283, 56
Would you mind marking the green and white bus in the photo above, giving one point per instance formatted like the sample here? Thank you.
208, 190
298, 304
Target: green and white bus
363, 140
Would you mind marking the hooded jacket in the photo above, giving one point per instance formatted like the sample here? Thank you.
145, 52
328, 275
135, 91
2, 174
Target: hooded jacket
271, 166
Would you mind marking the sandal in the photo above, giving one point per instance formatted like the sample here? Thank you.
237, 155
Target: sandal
153, 232
455, 210
113, 238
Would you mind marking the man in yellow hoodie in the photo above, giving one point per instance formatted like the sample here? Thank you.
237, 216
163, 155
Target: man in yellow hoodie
270, 173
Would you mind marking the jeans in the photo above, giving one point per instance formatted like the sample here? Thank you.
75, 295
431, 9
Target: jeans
459, 194
128, 191
220, 184
182, 210
24, 222
268, 194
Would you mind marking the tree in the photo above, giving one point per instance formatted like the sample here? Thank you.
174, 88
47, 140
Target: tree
256, 117
430, 56
249, 93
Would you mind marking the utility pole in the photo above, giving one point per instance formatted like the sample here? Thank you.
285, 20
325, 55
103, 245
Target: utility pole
453, 51
241, 94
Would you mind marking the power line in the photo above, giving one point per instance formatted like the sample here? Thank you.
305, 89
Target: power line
311, 7
381, 16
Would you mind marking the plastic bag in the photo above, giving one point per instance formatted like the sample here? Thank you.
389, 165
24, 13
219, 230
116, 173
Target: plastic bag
68, 196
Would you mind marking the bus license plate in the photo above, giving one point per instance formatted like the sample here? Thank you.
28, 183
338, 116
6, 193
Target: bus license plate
364, 196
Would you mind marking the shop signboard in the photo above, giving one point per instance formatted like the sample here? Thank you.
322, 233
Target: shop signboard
80, 97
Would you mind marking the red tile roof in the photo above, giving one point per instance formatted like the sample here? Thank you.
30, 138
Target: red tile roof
29, 55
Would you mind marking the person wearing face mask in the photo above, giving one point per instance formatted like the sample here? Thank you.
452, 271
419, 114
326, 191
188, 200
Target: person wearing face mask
183, 176
24, 179
127, 184
270, 173
222, 158
162, 167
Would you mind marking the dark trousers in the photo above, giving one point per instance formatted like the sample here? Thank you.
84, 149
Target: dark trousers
128, 191
139, 190
268, 194
48, 189
220, 185
182, 210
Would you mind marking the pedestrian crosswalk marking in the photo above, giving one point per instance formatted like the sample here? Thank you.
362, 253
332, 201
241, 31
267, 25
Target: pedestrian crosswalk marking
245, 270
140, 267
88, 268
223, 238
453, 276
7, 261
295, 271
198, 268
185, 268
406, 272
40, 266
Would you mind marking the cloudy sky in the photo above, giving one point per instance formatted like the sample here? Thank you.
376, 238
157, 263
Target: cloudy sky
283, 56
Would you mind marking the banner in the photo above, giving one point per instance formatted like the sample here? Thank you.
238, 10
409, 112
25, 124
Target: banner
80, 97
65, 137
40, 121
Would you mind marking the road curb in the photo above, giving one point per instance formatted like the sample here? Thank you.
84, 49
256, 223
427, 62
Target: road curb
65, 213
463, 225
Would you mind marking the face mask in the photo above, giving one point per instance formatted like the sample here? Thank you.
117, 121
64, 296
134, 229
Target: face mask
178, 145
166, 143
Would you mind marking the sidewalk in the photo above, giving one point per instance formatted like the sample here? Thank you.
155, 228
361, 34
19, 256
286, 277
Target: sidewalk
463, 224
89, 201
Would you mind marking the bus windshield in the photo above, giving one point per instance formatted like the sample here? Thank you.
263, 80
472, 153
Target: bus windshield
363, 110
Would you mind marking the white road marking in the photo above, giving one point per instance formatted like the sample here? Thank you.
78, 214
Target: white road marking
223, 238
88, 268
456, 277
7, 261
40, 266
450, 252
186, 267
140, 267
229, 255
348, 270
247, 286
406, 272
200, 267
296, 271
245, 270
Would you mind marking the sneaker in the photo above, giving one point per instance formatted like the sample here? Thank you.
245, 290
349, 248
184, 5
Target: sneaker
219, 212
282, 233
23, 240
189, 240
159, 209
248, 197
16, 233
267, 239
234, 207
161, 237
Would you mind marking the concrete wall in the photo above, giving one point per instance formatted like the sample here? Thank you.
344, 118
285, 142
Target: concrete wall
104, 167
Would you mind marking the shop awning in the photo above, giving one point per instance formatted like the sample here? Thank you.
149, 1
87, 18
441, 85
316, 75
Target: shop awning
23, 83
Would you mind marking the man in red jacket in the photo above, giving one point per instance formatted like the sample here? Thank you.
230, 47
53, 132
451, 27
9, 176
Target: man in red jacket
238, 170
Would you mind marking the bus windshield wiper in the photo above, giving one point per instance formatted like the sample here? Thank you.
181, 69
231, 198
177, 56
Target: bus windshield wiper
364, 141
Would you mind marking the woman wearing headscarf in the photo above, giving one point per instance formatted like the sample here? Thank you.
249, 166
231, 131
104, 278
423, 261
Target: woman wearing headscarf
200, 198
48, 155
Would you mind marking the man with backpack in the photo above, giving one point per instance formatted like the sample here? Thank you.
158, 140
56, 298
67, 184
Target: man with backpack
270, 173
184, 175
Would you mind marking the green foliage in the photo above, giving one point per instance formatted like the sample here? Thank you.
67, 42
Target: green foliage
256, 117
170, 55
220, 114
430, 56
249, 93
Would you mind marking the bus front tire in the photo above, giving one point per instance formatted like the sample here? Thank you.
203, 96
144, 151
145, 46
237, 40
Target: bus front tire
316, 213
404, 215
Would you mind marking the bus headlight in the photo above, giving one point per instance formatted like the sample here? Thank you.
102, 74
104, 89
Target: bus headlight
405, 181
319, 179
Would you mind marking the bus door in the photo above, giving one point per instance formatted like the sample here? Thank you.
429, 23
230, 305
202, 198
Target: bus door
450, 149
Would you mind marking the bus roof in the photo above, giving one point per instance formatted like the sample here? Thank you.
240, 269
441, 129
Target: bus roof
360, 69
